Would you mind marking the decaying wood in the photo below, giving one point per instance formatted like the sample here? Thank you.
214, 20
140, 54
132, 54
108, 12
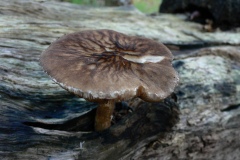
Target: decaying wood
221, 12
40, 120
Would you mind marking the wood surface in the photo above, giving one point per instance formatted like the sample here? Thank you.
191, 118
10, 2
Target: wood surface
40, 120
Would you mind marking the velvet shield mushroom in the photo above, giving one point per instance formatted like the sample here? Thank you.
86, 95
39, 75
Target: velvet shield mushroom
106, 66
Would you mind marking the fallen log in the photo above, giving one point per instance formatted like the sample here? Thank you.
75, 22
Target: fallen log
39, 120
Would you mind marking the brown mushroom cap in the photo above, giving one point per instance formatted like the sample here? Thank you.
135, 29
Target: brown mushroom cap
105, 65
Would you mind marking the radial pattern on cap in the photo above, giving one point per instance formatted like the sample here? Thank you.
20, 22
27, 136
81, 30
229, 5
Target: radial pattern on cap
105, 64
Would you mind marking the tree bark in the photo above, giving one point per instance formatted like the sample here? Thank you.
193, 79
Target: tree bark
40, 120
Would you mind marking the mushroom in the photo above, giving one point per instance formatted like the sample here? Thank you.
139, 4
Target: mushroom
106, 66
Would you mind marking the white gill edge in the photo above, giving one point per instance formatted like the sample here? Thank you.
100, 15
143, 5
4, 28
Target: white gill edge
144, 59
139, 59
109, 49
95, 95
101, 95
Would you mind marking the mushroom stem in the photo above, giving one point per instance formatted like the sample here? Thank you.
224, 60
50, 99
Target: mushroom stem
103, 115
